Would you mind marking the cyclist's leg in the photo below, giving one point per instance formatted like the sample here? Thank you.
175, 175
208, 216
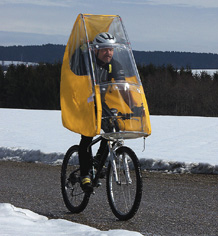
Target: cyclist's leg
103, 146
85, 163
103, 150
101, 156
85, 156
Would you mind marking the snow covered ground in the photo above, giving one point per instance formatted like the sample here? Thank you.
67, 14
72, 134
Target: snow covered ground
211, 72
8, 63
23, 222
177, 144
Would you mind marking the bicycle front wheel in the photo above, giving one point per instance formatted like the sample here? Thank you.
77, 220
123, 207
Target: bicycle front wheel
74, 197
125, 192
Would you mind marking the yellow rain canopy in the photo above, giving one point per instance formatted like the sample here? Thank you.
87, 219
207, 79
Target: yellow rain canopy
98, 97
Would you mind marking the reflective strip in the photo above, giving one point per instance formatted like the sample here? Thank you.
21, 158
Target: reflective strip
86, 181
110, 68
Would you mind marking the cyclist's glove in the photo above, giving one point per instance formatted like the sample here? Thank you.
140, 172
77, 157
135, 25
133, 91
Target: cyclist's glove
137, 111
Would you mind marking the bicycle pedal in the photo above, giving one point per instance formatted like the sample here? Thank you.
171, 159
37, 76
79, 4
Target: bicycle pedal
98, 184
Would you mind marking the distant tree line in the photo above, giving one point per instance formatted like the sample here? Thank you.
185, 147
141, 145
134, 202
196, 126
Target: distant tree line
32, 87
168, 91
179, 92
51, 53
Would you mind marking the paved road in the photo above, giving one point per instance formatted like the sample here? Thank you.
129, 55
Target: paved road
172, 204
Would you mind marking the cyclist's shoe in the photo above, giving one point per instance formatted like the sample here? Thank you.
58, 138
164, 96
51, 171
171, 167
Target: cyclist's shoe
86, 184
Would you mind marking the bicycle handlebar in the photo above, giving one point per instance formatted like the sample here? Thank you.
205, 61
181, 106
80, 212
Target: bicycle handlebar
127, 116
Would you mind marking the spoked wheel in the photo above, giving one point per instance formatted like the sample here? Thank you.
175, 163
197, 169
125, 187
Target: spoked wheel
124, 196
74, 198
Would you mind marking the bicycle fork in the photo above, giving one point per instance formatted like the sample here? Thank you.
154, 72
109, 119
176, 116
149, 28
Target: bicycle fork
112, 158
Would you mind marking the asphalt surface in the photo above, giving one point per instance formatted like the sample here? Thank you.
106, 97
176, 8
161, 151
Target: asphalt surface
172, 204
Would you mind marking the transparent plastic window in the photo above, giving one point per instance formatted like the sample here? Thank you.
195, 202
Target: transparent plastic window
78, 52
122, 110
113, 61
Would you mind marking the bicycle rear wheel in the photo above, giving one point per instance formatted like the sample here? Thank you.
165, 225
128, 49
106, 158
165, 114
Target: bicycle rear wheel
74, 197
124, 196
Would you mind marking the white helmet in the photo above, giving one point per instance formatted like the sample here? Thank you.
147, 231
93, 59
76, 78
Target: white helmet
104, 38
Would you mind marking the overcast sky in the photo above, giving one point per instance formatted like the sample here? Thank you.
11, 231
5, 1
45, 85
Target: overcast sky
152, 25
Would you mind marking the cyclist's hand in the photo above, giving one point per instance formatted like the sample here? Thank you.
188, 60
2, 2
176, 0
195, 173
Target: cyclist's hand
84, 48
138, 111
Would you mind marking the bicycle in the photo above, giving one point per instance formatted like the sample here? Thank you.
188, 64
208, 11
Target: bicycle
123, 178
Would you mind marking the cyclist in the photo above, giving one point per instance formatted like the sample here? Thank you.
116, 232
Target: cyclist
106, 68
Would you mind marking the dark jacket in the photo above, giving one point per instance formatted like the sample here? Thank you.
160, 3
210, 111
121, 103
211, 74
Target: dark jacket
105, 72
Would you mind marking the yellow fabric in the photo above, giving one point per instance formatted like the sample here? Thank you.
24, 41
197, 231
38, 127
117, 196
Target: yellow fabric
147, 124
78, 114
132, 79
96, 24
77, 103
114, 99
79, 31
99, 108
77, 93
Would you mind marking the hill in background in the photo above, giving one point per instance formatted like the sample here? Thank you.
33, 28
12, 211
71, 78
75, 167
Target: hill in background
178, 59
51, 53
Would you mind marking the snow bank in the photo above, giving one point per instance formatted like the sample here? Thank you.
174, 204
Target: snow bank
178, 167
22, 222
37, 156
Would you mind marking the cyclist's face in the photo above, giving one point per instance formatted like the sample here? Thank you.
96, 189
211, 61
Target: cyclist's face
105, 54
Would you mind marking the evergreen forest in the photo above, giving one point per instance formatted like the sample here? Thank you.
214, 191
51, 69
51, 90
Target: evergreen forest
168, 91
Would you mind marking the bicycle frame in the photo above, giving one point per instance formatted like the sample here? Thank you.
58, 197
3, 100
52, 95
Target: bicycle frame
112, 160
112, 145
123, 179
